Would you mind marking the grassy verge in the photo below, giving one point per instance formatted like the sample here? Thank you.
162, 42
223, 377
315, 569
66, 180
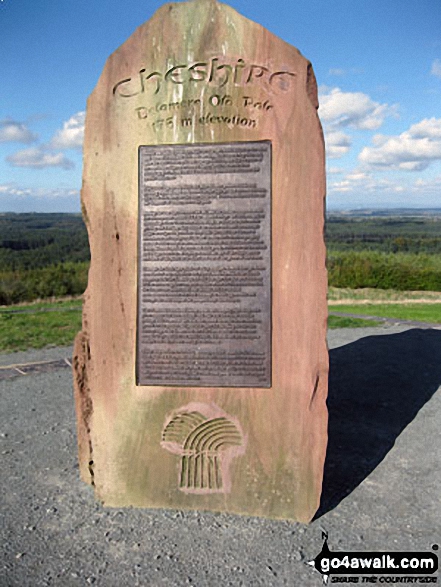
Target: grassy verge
27, 326
36, 330
419, 312
370, 294
41, 305
347, 322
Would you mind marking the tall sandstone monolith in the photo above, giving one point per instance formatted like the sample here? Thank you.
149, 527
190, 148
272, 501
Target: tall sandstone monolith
200, 372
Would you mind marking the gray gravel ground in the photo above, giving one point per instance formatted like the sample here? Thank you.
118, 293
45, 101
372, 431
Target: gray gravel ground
381, 489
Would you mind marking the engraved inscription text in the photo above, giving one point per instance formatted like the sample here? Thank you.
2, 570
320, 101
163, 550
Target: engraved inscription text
204, 293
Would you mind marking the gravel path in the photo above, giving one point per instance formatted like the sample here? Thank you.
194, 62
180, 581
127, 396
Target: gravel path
381, 489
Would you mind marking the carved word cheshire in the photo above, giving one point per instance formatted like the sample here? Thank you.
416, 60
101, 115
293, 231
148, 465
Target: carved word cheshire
211, 72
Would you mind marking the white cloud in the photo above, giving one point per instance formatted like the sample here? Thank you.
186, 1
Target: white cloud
12, 190
428, 186
358, 182
340, 72
337, 143
412, 150
335, 170
16, 198
38, 158
336, 71
436, 68
363, 189
44, 155
379, 140
71, 135
13, 131
352, 109
429, 127
358, 176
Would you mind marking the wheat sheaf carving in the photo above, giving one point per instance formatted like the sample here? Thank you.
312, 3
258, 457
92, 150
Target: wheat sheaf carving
205, 446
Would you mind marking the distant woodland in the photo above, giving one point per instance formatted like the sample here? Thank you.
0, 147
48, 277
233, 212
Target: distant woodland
41, 256
46, 255
402, 253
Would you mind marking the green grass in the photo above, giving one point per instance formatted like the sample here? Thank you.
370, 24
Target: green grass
419, 312
347, 322
379, 295
20, 332
37, 328
43, 305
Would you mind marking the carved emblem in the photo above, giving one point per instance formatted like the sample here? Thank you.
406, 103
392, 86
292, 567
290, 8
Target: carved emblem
207, 440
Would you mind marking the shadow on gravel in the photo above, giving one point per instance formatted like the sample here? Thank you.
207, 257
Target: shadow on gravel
377, 385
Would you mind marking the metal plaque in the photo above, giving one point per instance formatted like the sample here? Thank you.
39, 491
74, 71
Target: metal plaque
204, 282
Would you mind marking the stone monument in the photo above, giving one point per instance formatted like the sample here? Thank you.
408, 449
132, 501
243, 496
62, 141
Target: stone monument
200, 373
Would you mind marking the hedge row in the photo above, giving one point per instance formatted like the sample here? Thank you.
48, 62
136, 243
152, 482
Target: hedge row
53, 281
352, 270
384, 271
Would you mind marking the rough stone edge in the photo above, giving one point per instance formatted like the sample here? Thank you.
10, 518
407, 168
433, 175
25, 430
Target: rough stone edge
83, 405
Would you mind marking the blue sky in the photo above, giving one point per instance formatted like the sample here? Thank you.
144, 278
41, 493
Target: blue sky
377, 62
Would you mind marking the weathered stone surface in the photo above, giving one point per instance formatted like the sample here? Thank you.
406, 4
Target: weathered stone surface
198, 72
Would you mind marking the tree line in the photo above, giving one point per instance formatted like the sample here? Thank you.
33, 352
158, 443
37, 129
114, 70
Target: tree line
388, 235
47, 255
